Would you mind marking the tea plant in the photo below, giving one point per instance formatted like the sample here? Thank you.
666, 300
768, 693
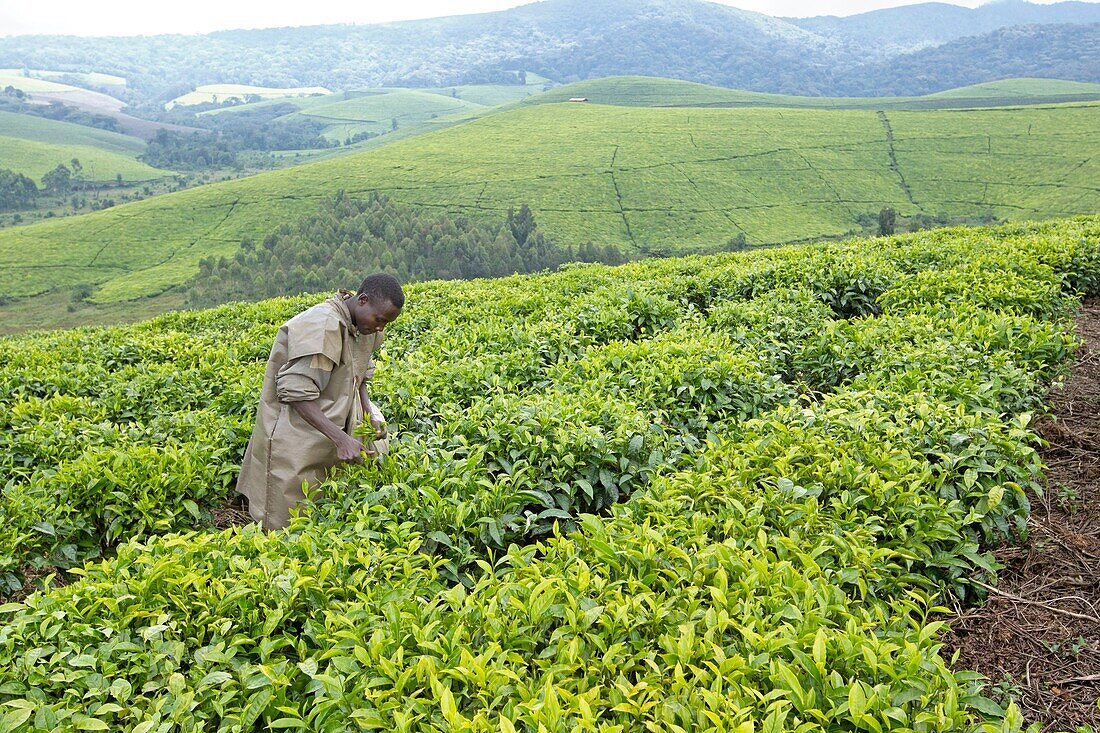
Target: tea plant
721, 493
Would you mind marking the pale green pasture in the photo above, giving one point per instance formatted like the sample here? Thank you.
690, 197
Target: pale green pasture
223, 92
658, 180
1023, 87
299, 102
14, 78
643, 91
34, 159
92, 78
492, 95
376, 112
40, 129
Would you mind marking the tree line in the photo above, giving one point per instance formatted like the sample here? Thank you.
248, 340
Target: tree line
18, 101
17, 191
223, 136
332, 247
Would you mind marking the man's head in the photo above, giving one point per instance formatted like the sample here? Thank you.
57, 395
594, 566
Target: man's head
378, 302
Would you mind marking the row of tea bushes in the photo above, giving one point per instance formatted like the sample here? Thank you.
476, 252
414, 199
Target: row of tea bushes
717, 493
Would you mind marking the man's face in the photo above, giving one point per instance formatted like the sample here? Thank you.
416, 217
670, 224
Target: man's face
372, 315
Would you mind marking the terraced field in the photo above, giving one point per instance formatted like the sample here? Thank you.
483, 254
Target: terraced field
34, 145
655, 180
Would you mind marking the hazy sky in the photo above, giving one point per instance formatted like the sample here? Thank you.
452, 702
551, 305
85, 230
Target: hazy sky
145, 17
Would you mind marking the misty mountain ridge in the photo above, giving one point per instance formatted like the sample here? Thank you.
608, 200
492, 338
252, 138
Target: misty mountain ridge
571, 40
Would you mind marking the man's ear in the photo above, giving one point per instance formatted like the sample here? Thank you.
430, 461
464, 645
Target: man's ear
363, 298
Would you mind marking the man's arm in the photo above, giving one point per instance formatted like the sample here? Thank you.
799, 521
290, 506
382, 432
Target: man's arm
299, 384
347, 447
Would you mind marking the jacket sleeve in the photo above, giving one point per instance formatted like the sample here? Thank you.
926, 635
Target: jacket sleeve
303, 379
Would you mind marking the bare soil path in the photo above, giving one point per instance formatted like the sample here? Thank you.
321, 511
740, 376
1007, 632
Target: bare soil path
1037, 637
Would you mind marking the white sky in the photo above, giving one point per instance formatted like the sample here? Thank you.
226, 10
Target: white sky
147, 17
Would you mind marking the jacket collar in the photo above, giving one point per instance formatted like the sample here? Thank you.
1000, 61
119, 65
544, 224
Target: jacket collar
340, 305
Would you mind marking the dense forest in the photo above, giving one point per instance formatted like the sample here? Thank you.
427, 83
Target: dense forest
1049, 51
348, 236
569, 40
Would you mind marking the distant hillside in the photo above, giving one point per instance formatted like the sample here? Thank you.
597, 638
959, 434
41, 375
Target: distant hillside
218, 93
28, 127
647, 91
378, 113
33, 146
571, 40
651, 181
1056, 51
894, 31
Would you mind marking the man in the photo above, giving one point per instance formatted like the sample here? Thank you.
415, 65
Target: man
315, 395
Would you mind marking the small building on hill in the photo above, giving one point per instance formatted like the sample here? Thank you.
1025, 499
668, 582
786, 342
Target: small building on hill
578, 99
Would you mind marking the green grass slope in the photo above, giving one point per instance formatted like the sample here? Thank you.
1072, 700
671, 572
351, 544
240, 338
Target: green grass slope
224, 92
1024, 87
655, 180
40, 129
91, 79
645, 91
298, 102
490, 95
376, 112
34, 159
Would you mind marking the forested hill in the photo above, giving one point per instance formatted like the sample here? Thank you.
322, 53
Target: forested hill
1049, 51
565, 40
891, 31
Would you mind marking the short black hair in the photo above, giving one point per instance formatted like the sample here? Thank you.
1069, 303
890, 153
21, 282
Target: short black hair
383, 286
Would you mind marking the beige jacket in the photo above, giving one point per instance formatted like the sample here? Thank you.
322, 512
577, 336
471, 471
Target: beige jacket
318, 355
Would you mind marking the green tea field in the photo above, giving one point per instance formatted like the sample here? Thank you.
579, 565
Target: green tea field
377, 112
35, 145
644, 91
728, 493
652, 181
416, 110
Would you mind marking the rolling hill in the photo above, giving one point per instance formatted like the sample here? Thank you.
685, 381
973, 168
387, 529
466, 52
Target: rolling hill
48, 91
374, 111
1054, 51
571, 40
647, 91
218, 93
893, 31
35, 145
53, 91
40, 129
655, 180
377, 113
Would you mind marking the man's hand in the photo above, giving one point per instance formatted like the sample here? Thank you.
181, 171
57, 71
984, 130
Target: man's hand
347, 447
380, 432
350, 449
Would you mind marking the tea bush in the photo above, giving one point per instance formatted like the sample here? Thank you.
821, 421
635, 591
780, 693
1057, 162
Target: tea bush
709, 493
